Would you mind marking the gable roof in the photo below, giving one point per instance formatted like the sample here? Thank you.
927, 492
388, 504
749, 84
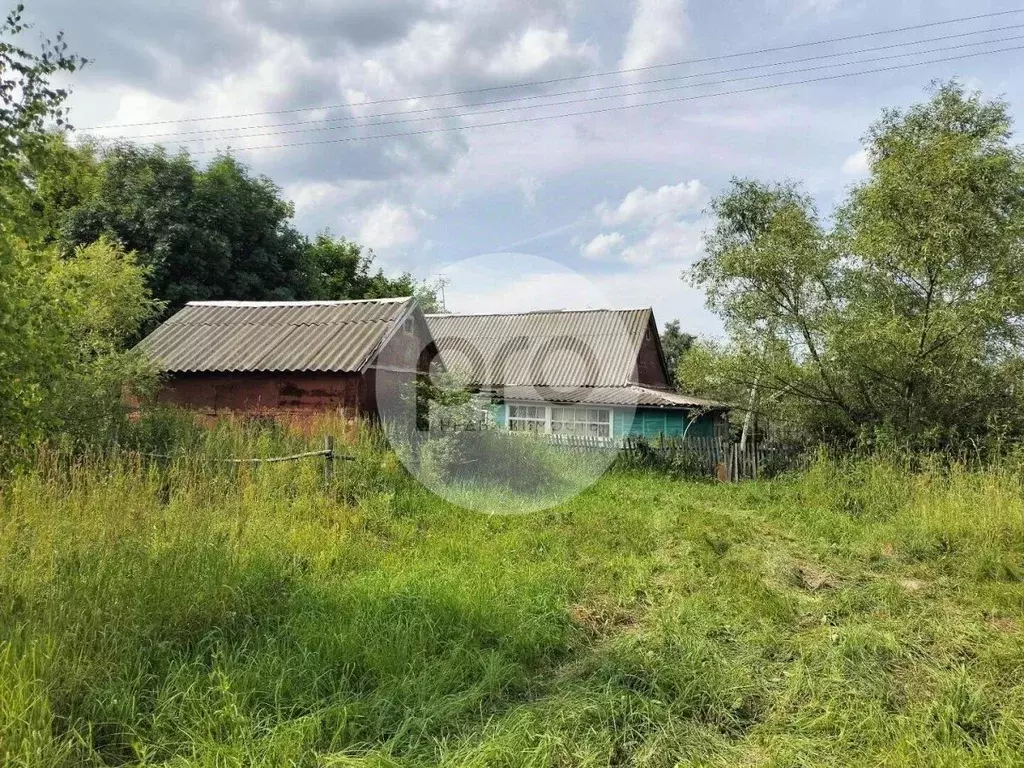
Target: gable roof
575, 348
275, 336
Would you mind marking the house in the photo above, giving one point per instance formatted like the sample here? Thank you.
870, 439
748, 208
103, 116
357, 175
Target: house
598, 373
289, 357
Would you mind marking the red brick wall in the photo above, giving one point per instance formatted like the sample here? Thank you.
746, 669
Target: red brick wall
268, 393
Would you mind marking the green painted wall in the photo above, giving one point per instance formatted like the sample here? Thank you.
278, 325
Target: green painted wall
498, 413
654, 422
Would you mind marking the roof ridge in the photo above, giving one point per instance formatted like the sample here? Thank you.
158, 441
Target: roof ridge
535, 312
305, 303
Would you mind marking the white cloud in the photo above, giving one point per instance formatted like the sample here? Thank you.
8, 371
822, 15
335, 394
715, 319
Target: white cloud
658, 222
603, 246
669, 241
389, 225
659, 33
646, 206
528, 186
856, 165
535, 50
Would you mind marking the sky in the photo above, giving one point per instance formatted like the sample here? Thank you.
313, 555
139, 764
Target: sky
576, 211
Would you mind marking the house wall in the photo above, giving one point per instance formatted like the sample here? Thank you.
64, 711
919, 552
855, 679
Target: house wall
643, 422
649, 370
655, 422
354, 394
268, 393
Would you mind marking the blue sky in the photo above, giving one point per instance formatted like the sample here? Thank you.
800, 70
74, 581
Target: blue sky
572, 212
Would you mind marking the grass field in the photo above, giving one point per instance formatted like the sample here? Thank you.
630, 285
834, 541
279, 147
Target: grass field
188, 616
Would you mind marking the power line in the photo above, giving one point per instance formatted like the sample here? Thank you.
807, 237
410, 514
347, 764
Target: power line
532, 97
536, 83
566, 102
617, 108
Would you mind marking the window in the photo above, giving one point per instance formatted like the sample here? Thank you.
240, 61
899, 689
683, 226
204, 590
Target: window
407, 325
527, 418
560, 420
588, 422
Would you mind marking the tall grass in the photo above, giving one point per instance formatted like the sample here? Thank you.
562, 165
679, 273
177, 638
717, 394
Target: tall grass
188, 612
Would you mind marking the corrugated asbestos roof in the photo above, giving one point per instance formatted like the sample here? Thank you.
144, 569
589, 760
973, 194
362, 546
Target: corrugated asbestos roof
615, 396
273, 336
594, 348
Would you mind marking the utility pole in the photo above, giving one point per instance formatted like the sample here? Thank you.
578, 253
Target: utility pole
443, 281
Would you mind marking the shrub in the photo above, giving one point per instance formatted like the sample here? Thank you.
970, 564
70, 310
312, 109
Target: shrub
521, 463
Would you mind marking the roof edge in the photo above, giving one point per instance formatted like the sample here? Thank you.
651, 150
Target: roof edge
310, 303
535, 312
390, 333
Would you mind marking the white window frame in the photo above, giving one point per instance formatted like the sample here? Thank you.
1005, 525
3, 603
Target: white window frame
544, 419
548, 413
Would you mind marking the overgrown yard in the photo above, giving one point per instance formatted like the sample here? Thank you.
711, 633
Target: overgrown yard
188, 616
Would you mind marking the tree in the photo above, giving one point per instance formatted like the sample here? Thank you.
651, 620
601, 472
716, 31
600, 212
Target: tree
28, 105
63, 364
214, 233
101, 300
908, 312
342, 269
217, 232
675, 344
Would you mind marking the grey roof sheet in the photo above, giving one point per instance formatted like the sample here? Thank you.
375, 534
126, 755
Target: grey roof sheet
558, 348
624, 396
273, 336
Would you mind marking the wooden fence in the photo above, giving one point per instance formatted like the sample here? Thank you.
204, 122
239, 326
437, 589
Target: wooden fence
708, 456
329, 455
719, 458
712, 457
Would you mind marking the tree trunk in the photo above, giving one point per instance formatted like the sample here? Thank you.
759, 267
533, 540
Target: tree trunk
749, 418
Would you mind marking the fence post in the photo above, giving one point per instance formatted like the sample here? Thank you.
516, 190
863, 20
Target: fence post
328, 459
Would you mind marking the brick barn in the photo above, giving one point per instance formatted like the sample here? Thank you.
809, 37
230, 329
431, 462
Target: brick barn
287, 358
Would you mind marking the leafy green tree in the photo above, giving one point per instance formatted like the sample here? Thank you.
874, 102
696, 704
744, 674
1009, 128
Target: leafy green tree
675, 344
342, 269
63, 364
29, 106
101, 299
219, 232
907, 313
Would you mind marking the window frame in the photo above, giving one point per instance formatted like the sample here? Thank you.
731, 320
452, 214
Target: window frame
544, 420
549, 419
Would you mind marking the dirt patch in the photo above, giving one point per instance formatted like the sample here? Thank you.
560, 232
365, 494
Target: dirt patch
602, 619
1005, 626
913, 585
813, 579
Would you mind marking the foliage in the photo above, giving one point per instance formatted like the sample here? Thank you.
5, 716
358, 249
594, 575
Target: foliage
521, 464
28, 103
675, 344
30, 344
209, 232
213, 233
103, 301
186, 613
673, 461
906, 314
62, 339
341, 269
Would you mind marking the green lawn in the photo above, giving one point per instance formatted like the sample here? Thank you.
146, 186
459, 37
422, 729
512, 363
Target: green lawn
855, 616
